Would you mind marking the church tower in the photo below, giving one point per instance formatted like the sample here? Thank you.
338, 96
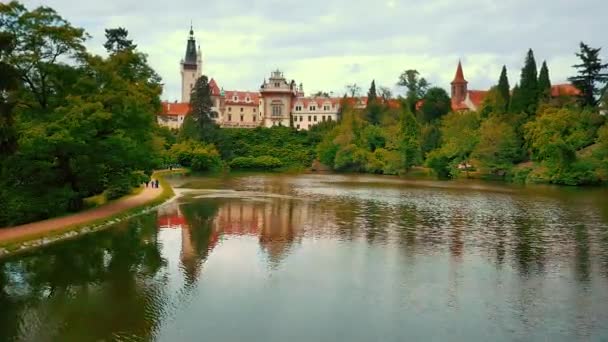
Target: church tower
191, 67
459, 86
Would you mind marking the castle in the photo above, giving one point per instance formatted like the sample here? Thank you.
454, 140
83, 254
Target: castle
278, 102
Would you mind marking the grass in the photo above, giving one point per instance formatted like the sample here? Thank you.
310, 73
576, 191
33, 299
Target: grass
61, 234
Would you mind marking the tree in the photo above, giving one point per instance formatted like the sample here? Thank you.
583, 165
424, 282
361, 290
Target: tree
42, 40
353, 89
517, 102
9, 80
116, 40
416, 86
371, 94
386, 93
202, 125
493, 103
503, 87
436, 103
498, 146
544, 83
591, 74
410, 143
526, 99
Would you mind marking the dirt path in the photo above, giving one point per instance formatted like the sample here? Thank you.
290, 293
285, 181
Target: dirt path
57, 224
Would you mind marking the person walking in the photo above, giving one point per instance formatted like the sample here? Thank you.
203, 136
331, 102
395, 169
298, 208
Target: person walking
157, 183
147, 182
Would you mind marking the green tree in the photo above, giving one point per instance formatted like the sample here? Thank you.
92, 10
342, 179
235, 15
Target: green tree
544, 83
371, 94
42, 39
436, 104
591, 74
526, 98
9, 81
410, 142
199, 124
498, 147
117, 41
416, 86
503, 87
493, 103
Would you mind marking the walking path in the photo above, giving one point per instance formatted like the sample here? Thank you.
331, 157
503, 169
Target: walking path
36, 229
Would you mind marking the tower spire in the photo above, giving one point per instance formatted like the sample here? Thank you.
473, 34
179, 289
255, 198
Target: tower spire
459, 77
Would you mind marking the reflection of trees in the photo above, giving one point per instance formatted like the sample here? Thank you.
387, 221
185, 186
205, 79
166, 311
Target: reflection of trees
94, 288
582, 252
529, 244
373, 217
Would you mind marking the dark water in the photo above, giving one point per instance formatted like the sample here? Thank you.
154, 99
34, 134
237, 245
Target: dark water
326, 258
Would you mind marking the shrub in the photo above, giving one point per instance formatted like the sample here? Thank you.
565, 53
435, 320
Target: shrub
257, 163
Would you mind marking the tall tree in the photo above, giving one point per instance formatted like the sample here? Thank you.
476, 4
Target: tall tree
528, 85
591, 74
353, 89
436, 103
116, 40
371, 94
516, 105
200, 113
9, 80
544, 83
503, 86
410, 142
416, 85
42, 39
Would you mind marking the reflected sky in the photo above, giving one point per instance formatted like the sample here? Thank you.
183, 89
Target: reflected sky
326, 258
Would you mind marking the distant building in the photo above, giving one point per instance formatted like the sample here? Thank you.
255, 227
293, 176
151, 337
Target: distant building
464, 99
278, 102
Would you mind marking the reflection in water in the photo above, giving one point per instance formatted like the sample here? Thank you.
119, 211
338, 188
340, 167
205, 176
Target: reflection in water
351, 257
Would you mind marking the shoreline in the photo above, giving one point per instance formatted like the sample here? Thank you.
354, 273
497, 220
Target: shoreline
33, 235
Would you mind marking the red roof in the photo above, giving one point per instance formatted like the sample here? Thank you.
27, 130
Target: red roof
242, 97
477, 96
317, 101
566, 89
215, 90
459, 77
175, 108
172, 221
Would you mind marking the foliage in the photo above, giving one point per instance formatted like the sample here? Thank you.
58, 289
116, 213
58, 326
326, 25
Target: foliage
592, 73
503, 87
499, 146
544, 83
196, 155
493, 103
199, 125
436, 103
256, 163
416, 86
116, 40
526, 98
9, 81
554, 138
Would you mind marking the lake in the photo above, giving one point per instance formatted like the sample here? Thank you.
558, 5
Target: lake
270, 257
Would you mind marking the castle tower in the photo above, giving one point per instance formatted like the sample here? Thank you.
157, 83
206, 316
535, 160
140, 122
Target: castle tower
276, 100
191, 67
459, 86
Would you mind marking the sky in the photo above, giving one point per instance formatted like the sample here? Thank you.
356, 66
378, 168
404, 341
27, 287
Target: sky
327, 44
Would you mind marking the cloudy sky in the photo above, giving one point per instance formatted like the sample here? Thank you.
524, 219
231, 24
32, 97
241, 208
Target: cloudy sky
327, 44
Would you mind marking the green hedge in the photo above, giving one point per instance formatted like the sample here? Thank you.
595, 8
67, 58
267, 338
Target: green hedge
256, 163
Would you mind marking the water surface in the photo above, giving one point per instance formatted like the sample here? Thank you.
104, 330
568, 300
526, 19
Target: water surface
326, 258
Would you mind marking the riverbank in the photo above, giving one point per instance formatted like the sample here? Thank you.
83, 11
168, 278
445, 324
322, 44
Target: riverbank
37, 234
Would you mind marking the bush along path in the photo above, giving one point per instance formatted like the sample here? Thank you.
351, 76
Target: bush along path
36, 234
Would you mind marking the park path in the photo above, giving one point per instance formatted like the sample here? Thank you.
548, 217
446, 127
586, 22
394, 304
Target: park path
35, 229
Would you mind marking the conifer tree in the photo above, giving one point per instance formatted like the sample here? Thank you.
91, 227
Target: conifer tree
516, 105
371, 94
503, 86
528, 85
591, 74
544, 83
199, 124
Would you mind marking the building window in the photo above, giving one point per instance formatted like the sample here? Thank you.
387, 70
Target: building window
298, 126
254, 109
312, 108
301, 118
329, 118
323, 118
298, 108
241, 109
309, 118
325, 107
247, 99
230, 109
229, 117
277, 84
235, 98
276, 111
242, 117
314, 118
254, 118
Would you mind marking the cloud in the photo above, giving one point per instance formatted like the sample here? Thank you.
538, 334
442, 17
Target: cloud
328, 44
